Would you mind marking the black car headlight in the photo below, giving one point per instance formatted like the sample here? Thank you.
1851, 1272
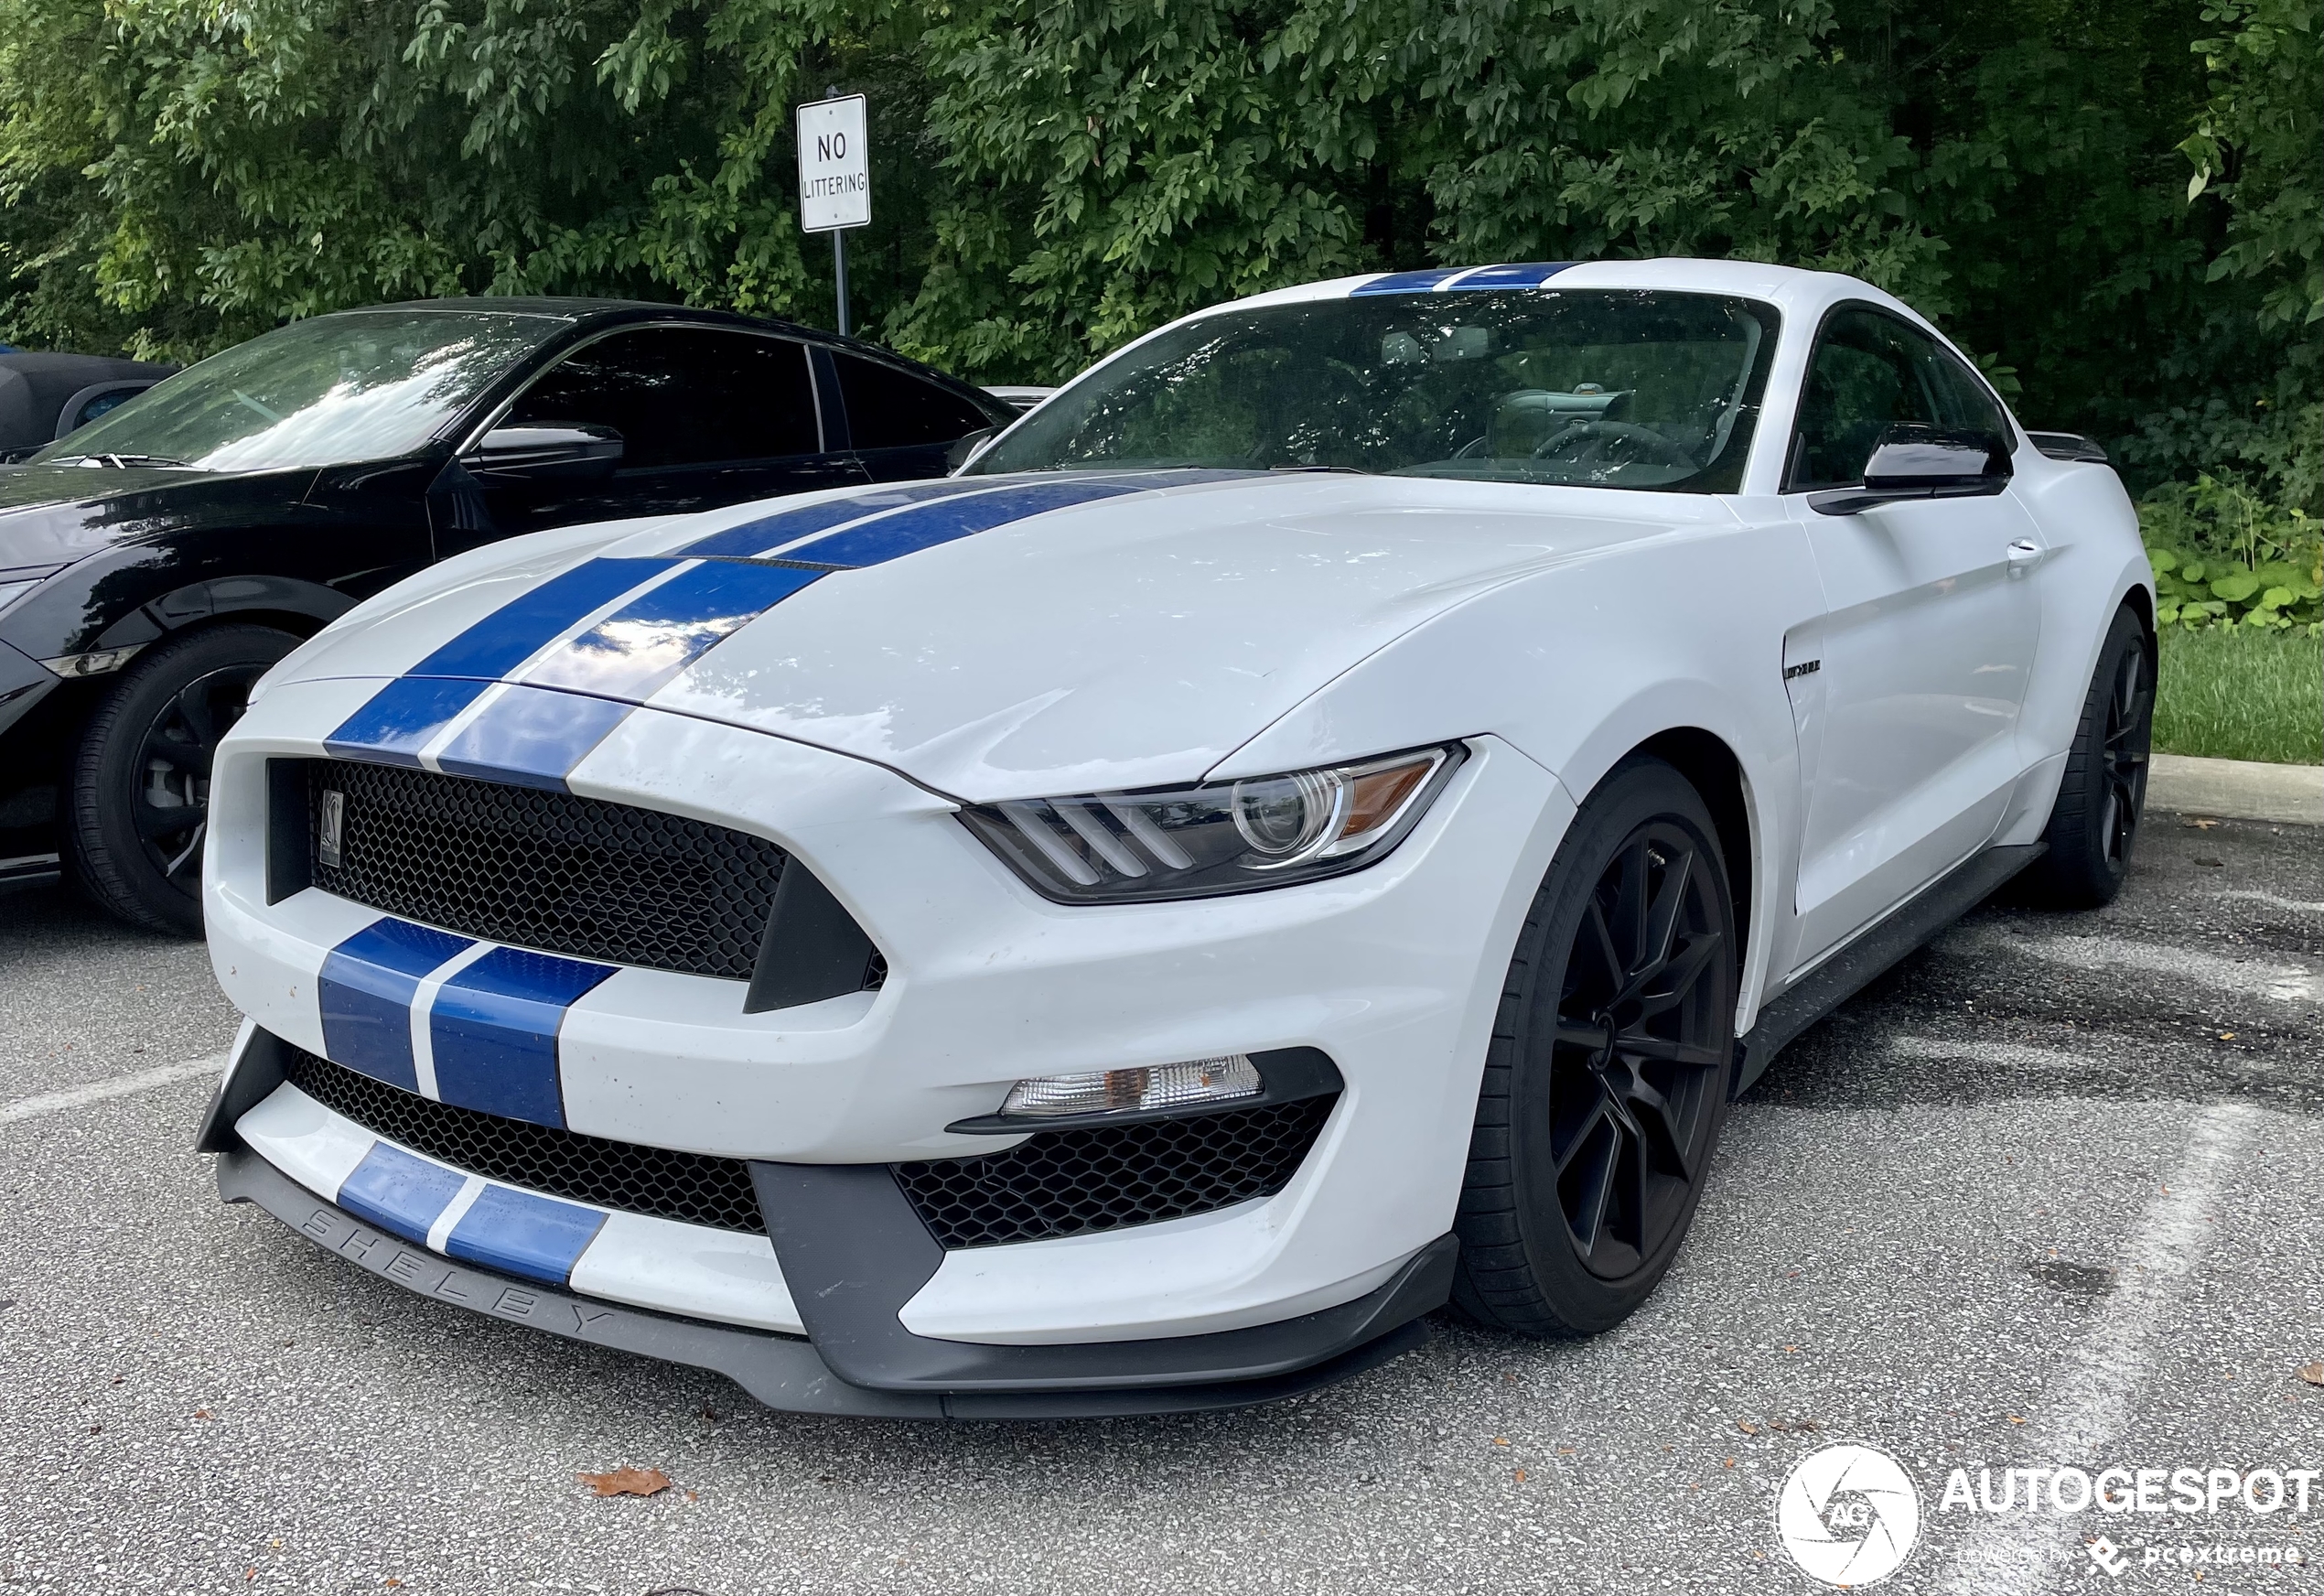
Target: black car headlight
1218, 836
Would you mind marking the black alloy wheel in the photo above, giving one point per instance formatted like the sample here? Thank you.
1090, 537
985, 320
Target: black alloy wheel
140, 787
1607, 1079
2103, 794
1636, 1058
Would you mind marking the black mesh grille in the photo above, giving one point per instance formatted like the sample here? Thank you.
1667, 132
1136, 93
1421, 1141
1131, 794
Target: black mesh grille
1062, 1183
610, 1174
549, 870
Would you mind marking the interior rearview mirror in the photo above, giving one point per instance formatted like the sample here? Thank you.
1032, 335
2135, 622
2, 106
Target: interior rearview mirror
545, 450
1913, 461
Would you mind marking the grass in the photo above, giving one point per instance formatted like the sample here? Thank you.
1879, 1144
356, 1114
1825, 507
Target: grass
2236, 694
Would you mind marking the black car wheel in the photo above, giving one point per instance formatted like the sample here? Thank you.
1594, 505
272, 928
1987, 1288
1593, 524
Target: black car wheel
2104, 791
140, 783
1607, 1082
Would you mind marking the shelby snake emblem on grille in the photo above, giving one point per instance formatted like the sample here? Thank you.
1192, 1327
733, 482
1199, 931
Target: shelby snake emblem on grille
331, 822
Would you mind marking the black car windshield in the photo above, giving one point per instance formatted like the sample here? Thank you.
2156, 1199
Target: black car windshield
363, 386
1605, 388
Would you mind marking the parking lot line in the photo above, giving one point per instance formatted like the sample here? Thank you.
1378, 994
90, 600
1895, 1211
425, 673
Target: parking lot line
2272, 900
98, 1091
2087, 1405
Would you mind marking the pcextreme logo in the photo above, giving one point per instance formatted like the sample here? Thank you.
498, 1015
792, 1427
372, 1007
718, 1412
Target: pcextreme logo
1849, 1514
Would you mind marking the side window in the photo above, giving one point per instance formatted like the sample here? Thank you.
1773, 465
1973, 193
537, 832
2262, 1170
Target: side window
684, 396
1963, 398
888, 407
1868, 373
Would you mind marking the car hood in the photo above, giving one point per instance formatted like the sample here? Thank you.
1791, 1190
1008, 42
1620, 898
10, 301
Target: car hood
52, 515
988, 637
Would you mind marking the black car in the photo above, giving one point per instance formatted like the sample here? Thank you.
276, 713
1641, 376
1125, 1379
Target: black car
156, 562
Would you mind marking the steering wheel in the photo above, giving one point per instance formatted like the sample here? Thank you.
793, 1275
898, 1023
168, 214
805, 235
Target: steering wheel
1596, 435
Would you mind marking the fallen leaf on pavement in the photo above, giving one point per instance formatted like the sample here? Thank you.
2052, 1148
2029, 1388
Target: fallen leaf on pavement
2200, 824
2312, 1372
1749, 1429
627, 1481
1521, 1476
2012, 1418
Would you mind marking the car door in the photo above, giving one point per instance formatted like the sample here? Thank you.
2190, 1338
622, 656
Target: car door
1908, 688
900, 423
707, 416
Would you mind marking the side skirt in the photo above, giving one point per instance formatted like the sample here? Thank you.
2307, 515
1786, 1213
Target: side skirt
1874, 950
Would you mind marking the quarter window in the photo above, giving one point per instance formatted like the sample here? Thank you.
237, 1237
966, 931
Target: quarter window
683, 396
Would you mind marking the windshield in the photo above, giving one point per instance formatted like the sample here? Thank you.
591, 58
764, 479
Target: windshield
1614, 389
365, 386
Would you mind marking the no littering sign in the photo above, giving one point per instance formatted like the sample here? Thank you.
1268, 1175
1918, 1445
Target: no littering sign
835, 164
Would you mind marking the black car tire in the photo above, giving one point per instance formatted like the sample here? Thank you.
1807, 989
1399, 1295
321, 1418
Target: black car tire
1607, 1079
2094, 824
141, 778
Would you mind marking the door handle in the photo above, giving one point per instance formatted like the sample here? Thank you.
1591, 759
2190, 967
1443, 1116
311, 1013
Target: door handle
2024, 555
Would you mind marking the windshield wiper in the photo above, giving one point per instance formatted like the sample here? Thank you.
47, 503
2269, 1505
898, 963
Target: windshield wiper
119, 461
1349, 470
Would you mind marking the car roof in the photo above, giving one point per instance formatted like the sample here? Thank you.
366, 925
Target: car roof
1788, 287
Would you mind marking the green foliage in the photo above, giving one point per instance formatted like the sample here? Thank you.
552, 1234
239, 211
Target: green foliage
1052, 178
2223, 556
2232, 694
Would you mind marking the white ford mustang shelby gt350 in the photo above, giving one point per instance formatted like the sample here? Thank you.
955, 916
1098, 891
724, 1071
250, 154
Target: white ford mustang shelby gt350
1319, 820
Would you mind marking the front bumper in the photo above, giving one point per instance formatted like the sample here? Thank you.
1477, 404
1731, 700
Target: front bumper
1234, 1369
1393, 972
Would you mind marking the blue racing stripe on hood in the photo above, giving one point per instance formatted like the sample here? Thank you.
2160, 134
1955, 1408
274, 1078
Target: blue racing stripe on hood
531, 737
509, 636
909, 531
771, 531
661, 631
658, 614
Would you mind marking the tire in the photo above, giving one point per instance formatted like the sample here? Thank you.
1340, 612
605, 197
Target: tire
1598, 1120
141, 777
2094, 824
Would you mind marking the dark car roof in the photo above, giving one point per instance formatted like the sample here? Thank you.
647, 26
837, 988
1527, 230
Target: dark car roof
34, 388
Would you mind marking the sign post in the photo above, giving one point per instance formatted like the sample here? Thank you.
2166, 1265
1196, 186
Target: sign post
834, 178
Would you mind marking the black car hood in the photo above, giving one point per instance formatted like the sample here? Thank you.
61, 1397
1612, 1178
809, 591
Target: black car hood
52, 515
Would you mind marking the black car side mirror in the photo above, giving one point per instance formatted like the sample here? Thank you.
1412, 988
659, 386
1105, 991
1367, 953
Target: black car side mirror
1913, 461
546, 451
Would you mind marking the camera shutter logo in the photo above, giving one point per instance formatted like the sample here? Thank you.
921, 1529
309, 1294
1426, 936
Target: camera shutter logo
1849, 1514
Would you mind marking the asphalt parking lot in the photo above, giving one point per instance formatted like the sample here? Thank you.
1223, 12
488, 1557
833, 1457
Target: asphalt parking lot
2051, 1192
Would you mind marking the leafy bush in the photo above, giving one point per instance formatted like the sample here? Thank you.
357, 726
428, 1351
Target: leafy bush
2224, 557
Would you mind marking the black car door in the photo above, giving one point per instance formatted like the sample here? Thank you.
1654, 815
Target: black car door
706, 417
899, 424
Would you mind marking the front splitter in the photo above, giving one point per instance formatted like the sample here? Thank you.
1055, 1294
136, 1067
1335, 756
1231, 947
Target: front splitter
781, 1370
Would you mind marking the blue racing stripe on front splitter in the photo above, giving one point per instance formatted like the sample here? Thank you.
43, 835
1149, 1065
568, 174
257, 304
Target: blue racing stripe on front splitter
505, 639
493, 1030
771, 531
1531, 274
910, 531
399, 1193
531, 737
518, 1233
365, 992
1405, 282
641, 645
396, 722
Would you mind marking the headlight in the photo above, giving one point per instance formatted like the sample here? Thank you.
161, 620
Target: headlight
1218, 837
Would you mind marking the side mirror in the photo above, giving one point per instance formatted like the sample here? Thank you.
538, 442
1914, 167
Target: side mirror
546, 451
1913, 461
964, 447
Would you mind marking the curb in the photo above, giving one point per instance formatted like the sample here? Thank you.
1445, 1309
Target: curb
2237, 789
